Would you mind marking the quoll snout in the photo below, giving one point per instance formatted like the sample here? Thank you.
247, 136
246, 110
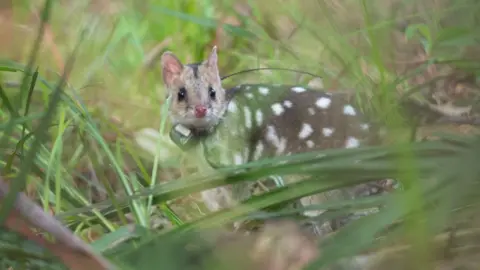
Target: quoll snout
200, 111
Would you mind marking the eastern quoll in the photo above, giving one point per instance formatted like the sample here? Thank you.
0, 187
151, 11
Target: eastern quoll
254, 122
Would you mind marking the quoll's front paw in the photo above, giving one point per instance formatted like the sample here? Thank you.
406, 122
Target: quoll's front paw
149, 138
218, 198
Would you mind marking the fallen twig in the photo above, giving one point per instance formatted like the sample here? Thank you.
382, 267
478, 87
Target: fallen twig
69, 248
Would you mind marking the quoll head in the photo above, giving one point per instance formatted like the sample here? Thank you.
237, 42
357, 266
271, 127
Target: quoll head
197, 96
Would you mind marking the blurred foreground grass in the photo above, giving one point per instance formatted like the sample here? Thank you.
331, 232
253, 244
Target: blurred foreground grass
115, 89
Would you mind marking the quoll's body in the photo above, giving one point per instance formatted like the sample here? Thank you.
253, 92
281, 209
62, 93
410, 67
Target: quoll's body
281, 119
263, 121
253, 122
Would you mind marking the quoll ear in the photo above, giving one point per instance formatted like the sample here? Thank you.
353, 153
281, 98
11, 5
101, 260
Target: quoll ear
212, 59
171, 67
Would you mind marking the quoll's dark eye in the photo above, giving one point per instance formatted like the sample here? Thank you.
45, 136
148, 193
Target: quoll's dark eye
182, 94
212, 92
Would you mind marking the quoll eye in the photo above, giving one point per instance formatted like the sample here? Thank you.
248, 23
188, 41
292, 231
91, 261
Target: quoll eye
182, 94
211, 92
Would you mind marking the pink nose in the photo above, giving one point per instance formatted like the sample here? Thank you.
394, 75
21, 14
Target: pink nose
200, 111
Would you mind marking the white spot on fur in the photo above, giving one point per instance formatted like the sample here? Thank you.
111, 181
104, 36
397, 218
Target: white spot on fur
310, 144
232, 106
323, 102
210, 198
258, 151
311, 111
306, 131
364, 126
246, 153
364, 262
287, 103
298, 89
313, 213
279, 143
316, 83
263, 90
259, 117
238, 159
327, 132
248, 117
352, 142
277, 109
349, 110
249, 95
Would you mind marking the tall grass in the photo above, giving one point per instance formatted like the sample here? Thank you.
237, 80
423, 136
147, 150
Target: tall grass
57, 132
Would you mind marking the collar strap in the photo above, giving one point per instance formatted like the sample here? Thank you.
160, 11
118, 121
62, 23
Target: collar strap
186, 138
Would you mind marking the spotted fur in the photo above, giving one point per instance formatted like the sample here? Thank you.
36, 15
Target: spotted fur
261, 121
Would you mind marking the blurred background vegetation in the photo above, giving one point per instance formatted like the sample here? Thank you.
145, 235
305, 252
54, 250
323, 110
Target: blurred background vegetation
90, 149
